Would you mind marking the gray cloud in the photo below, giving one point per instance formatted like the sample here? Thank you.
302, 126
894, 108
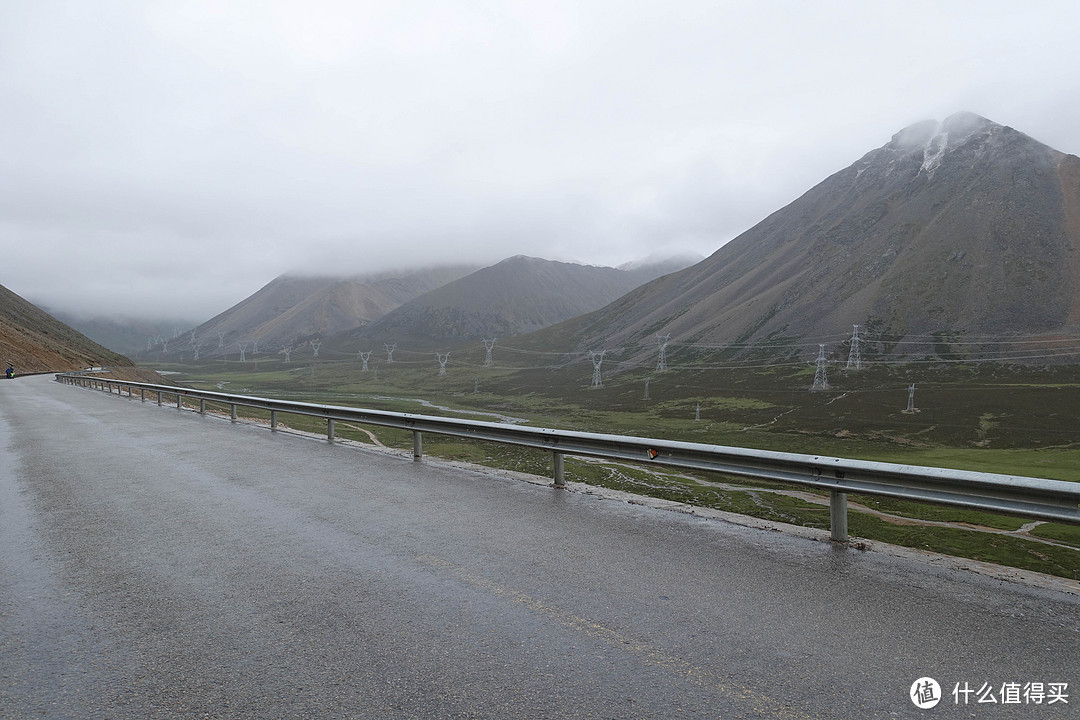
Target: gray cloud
170, 158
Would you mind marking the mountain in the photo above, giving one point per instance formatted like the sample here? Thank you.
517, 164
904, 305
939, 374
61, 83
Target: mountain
34, 341
292, 308
515, 296
956, 228
127, 336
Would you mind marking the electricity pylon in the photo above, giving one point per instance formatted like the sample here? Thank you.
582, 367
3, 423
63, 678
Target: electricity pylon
821, 380
854, 359
661, 363
597, 358
911, 399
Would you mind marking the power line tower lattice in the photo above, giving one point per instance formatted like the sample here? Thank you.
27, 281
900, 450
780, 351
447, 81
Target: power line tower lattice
661, 363
390, 352
364, 357
597, 358
911, 400
488, 346
821, 379
442, 362
854, 360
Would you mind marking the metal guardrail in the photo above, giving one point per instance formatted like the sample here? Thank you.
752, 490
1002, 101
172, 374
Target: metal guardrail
1038, 498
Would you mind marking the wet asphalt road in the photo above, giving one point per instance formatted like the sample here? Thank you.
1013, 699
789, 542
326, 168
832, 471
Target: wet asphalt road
155, 563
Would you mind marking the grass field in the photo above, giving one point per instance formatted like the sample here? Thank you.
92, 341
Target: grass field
1009, 420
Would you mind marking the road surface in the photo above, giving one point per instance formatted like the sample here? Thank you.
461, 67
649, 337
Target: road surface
161, 564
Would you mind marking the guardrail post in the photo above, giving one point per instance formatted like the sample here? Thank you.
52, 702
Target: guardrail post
142, 394
560, 471
273, 419
234, 412
179, 401
417, 445
159, 398
202, 406
838, 515
330, 428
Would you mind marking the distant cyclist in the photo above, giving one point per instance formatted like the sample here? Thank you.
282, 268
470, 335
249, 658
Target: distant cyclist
10, 372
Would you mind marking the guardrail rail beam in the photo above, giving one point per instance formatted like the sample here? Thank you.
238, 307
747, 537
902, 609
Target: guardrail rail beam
1036, 498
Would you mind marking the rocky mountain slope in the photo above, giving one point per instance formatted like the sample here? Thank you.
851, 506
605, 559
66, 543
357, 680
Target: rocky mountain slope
34, 341
296, 308
952, 229
515, 296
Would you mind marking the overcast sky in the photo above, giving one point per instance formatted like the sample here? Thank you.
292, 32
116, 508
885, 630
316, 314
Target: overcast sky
170, 158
